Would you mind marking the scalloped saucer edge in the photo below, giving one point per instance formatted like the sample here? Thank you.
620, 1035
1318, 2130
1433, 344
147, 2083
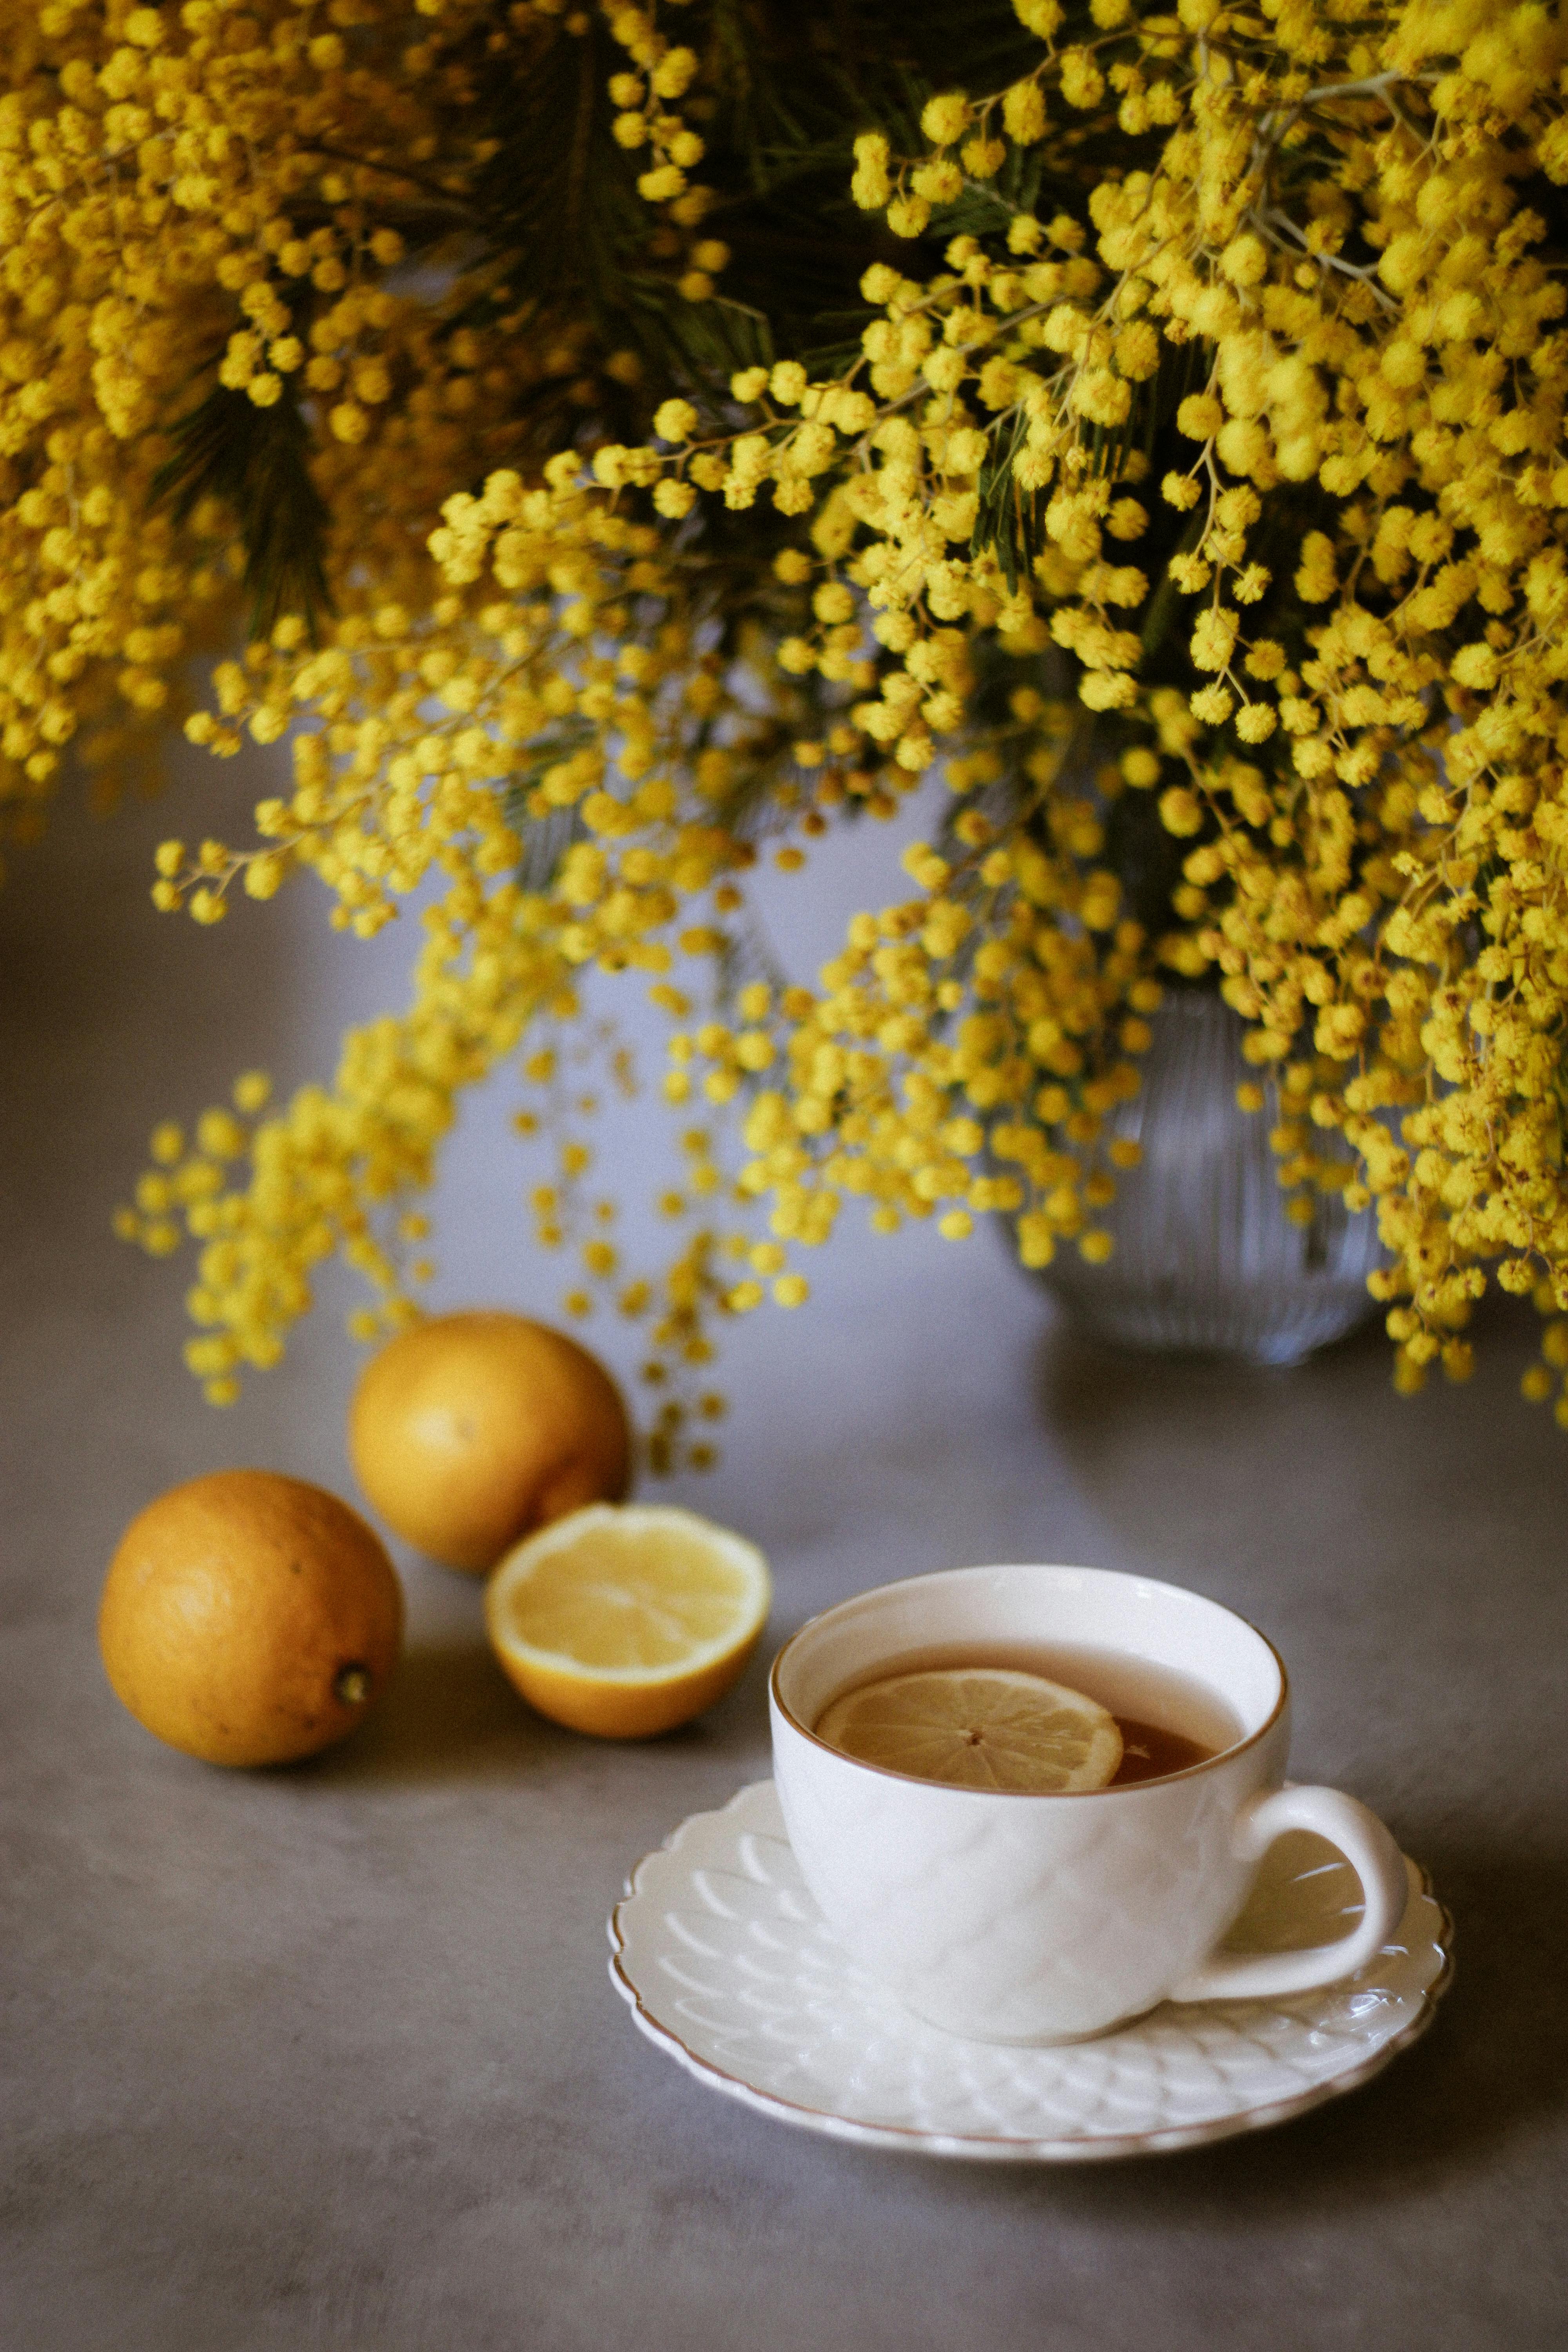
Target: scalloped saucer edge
727, 1966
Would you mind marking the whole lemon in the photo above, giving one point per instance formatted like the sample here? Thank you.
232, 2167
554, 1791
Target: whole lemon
248, 1618
468, 1431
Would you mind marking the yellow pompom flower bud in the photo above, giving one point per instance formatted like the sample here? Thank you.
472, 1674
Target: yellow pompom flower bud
675, 421
1023, 113
944, 118
871, 185
1180, 811
1245, 260
251, 1092
1200, 417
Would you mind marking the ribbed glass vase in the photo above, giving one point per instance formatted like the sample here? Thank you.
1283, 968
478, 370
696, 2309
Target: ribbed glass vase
1205, 1257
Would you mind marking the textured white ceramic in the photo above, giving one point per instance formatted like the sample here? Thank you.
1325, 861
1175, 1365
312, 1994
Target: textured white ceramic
1010, 1918
728, 1964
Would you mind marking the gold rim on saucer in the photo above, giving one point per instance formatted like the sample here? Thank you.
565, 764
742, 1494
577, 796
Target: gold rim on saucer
727, 1966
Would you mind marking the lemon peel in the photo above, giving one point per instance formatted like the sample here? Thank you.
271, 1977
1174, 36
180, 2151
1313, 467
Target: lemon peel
626, 1621
978, 1728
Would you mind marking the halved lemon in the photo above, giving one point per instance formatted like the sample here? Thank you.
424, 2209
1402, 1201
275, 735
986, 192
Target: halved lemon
626, 1621
977, 1727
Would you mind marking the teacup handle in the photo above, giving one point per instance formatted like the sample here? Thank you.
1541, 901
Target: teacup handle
1372, 1854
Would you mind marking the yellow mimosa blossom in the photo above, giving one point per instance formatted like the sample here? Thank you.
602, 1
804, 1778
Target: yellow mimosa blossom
1188, 493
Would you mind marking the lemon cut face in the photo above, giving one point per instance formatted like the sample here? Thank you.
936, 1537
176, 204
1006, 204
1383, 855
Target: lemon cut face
625, 1623
978, 1728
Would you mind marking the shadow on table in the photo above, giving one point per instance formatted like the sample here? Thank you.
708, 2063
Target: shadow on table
451, 1715
1128, 1421
1099, 1401
1083, 1380
1494, 2063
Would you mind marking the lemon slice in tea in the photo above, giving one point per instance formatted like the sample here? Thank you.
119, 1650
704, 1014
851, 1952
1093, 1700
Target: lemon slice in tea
626, 1622
978, 1728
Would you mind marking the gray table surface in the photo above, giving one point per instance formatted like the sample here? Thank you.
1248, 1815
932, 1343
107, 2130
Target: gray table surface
327, 2056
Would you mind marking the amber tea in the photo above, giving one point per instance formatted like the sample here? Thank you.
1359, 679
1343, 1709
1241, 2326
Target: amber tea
1168, 1721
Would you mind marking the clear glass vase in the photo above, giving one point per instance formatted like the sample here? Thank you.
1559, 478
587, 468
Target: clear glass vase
1205, 1257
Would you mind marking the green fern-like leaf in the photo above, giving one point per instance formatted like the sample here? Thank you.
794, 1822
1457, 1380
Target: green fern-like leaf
254, 461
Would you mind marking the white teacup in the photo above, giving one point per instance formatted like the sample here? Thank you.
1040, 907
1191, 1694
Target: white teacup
1011, 1918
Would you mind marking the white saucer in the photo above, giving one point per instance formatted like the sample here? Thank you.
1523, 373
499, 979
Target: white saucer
727, 1964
